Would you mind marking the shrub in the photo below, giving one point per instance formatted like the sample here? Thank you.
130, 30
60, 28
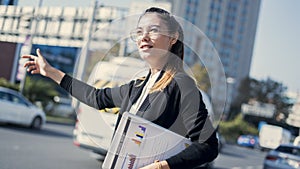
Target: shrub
231, 130
7, 84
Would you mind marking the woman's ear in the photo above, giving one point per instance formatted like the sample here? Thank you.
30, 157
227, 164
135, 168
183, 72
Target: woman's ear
174, 38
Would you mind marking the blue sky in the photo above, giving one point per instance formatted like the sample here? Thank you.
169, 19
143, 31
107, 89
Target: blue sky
276, 51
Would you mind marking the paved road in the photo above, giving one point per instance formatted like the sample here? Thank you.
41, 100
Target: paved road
52, 148
234, 157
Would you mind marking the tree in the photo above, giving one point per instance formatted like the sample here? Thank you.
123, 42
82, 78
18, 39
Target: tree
39, 89
270, 91
7, 84
201, 76
265, 91
232, 129
248, 89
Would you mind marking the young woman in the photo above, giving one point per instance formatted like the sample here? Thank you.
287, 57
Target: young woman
167, 96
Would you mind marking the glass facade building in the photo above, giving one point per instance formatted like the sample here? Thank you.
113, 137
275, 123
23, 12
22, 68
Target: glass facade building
230, 25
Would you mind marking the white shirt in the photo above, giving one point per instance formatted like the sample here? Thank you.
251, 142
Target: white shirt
135, 107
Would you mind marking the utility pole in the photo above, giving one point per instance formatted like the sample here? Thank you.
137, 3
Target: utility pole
81, 61
79, 70
27, 45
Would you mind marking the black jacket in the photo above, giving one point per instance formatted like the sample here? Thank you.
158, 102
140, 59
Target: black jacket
178, 107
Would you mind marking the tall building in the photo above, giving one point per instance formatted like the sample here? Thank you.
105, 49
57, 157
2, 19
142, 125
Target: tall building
231, 27
54, 26
8, 2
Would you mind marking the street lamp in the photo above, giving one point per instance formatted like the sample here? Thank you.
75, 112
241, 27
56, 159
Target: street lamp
229, 82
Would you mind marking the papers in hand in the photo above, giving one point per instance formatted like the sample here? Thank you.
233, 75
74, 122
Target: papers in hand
138, 142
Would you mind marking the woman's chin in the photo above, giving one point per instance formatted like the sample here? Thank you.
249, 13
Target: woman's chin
149, 54
145, 55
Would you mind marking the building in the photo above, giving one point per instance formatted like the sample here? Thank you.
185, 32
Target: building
294, 117
55, 26
8, 2
220, 33
231, 27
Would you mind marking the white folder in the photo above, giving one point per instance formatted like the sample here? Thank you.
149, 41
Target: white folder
139, 142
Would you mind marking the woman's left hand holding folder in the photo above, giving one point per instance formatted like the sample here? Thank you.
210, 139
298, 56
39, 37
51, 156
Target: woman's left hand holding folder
157, 165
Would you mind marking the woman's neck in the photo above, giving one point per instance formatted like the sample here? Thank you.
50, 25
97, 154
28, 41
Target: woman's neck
154, 70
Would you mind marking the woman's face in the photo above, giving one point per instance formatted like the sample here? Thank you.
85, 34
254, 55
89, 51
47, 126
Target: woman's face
153, 41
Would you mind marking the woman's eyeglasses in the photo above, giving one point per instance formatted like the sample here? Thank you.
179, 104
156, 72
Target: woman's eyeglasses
153, 32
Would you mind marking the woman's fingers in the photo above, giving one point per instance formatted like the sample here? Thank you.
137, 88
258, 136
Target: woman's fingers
28, 56
28, 63
35, 71
36, 64
38, 52
31, 64
33, 57
31, 69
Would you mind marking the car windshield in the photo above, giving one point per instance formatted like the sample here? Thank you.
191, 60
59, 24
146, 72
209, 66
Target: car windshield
289, 150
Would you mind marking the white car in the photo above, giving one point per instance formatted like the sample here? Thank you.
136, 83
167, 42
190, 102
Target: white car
16, 109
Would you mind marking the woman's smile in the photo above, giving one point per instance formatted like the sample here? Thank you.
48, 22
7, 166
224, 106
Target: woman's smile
145, 47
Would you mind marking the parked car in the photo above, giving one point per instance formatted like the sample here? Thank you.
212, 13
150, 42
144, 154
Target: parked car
16, 109
285, 156
250, 141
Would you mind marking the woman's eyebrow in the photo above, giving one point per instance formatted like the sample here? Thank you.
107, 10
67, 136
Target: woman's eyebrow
154, 26
149, 26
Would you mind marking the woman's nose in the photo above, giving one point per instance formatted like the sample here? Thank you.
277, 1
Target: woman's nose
145, 36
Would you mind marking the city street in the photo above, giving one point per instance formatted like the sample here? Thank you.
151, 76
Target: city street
49, 148
241, 54
52, 147
235, 157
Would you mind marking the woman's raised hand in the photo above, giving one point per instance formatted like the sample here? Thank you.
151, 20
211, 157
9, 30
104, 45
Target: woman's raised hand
39, 65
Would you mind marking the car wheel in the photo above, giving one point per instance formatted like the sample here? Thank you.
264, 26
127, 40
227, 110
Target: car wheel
36, 123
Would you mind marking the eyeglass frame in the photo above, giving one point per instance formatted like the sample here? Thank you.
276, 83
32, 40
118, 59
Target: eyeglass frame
152, 35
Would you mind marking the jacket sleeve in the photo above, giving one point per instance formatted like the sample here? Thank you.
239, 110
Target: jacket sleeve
204, 147
96, 98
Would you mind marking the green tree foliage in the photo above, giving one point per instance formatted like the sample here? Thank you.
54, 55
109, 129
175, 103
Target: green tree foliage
201, 76
244, 91
36, 89
39, 89
265, 91
7, 84
231, 130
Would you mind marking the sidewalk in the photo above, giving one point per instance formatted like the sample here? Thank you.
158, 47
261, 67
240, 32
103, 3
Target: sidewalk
60, 120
